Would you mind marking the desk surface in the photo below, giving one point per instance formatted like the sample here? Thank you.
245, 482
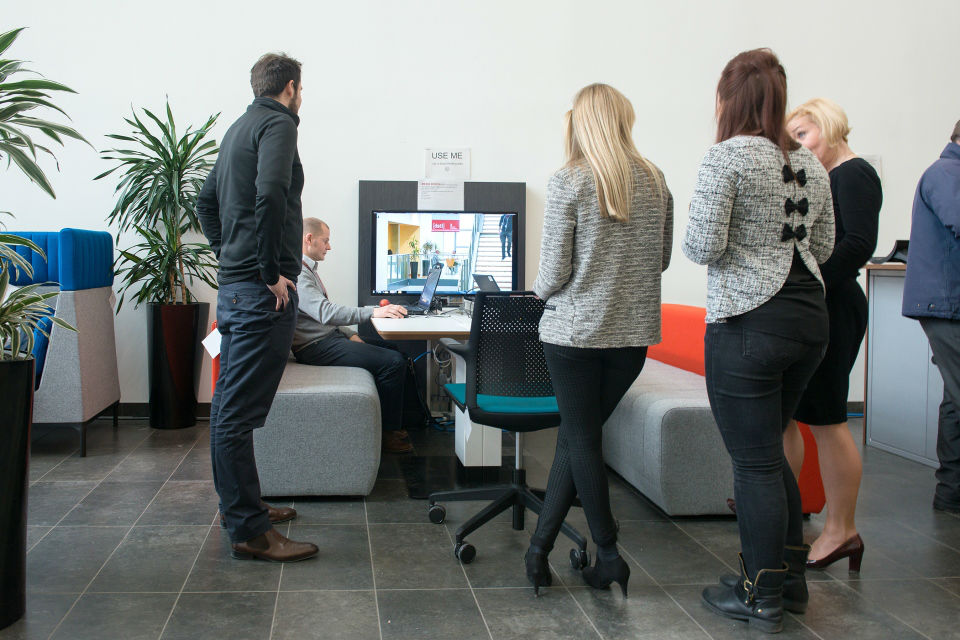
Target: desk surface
430, 327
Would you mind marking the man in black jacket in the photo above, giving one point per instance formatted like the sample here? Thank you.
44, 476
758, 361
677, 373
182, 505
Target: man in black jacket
250, 211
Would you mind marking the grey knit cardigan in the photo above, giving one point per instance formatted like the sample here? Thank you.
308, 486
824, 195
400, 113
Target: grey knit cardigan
742, 226
601, 278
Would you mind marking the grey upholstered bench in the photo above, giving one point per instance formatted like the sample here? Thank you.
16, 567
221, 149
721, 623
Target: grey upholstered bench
663, 440
322, 436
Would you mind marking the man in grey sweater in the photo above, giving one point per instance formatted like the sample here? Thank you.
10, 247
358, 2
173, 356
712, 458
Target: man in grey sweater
322, 337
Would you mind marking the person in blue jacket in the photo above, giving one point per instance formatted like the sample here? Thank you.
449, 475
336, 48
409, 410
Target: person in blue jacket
931, 294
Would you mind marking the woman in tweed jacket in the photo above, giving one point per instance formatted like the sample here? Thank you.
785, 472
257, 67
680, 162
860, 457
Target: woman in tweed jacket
607, 235
761, 218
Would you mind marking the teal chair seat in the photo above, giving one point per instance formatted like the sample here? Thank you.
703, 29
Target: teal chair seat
503, 404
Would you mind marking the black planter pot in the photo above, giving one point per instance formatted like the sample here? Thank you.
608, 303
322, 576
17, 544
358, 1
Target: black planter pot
414, 268
16, 397
174, 332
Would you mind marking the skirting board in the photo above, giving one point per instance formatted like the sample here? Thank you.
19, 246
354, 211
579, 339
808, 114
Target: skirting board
142, 410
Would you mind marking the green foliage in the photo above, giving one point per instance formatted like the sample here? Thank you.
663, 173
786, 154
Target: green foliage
414, 248
161, 175
17, 99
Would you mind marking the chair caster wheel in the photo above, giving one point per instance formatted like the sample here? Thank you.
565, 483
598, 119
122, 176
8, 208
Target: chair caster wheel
579, 559
437, 513
465, 552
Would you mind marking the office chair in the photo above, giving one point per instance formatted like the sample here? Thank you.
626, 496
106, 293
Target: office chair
508, 386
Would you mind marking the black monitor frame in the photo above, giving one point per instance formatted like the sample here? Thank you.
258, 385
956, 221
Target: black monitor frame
401, 196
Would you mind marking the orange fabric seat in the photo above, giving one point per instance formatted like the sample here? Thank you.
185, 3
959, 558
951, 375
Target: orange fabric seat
683, 330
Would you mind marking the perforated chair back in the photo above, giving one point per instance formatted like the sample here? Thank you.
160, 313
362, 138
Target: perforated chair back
508, 384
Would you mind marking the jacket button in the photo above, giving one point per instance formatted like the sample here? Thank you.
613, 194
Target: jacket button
931, 306
234, 301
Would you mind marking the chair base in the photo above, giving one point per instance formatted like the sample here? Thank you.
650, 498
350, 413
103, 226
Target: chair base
516, 496
81, 427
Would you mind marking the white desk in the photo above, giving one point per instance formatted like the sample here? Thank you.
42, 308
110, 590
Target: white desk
476, 445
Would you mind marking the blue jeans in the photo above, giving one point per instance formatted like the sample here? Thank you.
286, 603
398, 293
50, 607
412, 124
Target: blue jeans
754, 381
254, 348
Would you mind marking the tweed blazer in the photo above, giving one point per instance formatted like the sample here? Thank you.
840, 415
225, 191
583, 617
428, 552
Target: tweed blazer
747, 214
601, 278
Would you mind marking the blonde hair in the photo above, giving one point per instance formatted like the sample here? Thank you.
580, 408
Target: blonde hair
828, 116
598, 133
314, 226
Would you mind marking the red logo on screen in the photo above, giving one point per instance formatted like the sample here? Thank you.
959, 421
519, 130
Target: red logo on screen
445, 224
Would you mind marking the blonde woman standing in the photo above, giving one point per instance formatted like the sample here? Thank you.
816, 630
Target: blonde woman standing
607, 237
821, 126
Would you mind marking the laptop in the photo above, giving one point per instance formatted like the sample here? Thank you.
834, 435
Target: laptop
426, 297
485, 282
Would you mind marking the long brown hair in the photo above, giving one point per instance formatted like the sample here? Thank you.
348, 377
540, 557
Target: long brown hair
752, 99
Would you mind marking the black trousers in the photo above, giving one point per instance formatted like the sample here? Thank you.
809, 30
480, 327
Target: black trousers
589, 384
754, 382
254, 348
944, 337
382, 359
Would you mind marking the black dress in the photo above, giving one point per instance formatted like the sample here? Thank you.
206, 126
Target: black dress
857, 197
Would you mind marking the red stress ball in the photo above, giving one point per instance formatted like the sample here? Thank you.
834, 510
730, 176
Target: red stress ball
384, 302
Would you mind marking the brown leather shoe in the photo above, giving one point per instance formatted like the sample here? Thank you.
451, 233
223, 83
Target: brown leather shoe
393, 442
275, 547
276, 514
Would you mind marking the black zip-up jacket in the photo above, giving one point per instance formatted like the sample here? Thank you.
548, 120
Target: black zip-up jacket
249, 207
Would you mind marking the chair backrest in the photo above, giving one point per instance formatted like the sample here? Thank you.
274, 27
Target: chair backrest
77, 259
505, 336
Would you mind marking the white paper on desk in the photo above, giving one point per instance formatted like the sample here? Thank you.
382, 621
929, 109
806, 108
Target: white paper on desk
212, 343
440, 195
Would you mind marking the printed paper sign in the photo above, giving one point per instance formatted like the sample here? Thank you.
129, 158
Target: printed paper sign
447, 163
440, 195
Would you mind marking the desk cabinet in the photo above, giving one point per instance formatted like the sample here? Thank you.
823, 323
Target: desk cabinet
903, 387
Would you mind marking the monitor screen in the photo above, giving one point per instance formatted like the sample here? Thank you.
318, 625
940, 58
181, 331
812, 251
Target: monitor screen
408, 244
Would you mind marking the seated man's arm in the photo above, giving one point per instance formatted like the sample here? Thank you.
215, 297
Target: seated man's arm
316, 305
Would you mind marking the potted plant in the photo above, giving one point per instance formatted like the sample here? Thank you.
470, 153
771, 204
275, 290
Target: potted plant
161, 174
414, 245
21, 312
428, 248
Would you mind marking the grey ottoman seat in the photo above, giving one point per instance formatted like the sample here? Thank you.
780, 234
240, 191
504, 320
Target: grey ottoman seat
322, 435
663, 440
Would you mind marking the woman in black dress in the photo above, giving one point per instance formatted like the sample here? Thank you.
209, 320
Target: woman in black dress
821, 126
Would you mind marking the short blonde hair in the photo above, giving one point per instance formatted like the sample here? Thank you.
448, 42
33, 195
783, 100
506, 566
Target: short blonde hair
828, 116
314, 226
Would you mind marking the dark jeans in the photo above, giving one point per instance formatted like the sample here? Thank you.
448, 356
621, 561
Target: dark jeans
387, 365
506, 244
754, 381
254, 348
589, 384
944, 337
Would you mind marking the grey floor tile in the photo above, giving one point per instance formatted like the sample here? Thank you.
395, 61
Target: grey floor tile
130, 616
517, 614
175, 438
389, 503
196, 465
328, 511
425, 615
837, 611
720, 536
346, 615
44, 612
720, 628
500, 551
920, 604
41, 464
146, 464
34, 534
238, 616
151, 558
414, 556
942, 527
950, 584
909, 553
216, 570
113, 503
48, 502
187, 502
669, 555
343, 561
94, 467
649, 613
69, 557
627, 504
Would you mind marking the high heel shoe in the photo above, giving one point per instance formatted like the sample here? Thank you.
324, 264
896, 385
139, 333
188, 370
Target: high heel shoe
852, 548
538, 571
602, 574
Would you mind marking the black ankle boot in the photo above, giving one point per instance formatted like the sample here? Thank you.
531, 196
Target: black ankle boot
538, 571
604, 572
795, 594
759, 602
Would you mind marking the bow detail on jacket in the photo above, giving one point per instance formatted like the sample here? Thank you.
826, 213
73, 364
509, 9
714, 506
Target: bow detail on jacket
789, 233
803, 206
799, 176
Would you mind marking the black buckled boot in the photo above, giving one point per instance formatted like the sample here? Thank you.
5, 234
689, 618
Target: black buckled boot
758, 602
795, 594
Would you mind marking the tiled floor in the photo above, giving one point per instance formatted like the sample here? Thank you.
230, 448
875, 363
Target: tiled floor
123, 544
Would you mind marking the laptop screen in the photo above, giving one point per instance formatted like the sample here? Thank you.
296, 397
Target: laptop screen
429, 288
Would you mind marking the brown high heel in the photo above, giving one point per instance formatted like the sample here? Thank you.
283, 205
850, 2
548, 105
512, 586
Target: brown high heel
852, 548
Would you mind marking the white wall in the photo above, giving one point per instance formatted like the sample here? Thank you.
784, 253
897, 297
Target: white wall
384, 80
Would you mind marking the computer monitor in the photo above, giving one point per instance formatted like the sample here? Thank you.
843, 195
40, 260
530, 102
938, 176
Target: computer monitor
406, 245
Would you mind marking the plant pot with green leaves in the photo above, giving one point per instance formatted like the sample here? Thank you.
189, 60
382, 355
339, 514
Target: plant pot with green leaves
161, 174
414, 245
22, 313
